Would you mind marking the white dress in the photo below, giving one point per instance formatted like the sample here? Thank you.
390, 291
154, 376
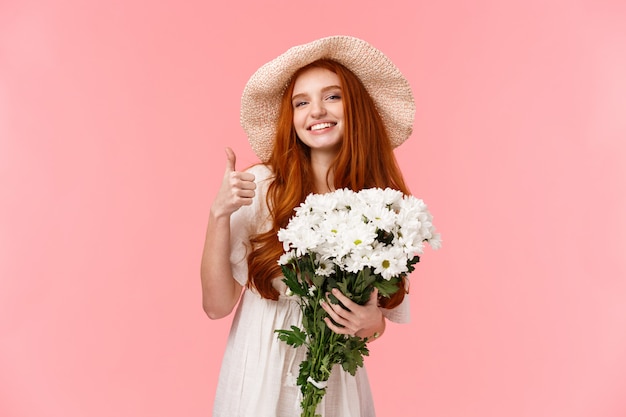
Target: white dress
258, 374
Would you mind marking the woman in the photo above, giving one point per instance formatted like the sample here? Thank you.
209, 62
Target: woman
322, 116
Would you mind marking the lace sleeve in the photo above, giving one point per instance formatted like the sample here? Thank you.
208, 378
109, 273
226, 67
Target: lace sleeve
400, 313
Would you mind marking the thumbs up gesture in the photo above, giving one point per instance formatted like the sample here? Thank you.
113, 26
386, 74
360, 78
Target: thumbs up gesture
237, 188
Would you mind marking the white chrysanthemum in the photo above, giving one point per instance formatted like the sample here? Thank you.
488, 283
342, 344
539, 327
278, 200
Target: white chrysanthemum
332, 229
358, 260
317, 204
378, 197
346, 198
411, 212
389, 261
324, 267
435, 241
411, 242
287, 257
357, 236
381, 217
286, 236
300, 237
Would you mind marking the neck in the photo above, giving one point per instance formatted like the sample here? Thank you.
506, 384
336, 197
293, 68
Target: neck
322, 170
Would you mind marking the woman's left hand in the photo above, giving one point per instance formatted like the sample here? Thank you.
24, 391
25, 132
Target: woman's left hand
366, 321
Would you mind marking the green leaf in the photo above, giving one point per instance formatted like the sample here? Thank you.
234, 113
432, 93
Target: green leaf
294, 337
411, 263
292, 281
303, 375
345, 290
352, 354
318, 280
387, 288
367, 278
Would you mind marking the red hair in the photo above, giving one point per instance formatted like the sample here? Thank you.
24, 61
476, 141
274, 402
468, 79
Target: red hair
365, 160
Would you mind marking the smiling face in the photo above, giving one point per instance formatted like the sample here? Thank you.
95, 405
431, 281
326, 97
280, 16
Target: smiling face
318, 110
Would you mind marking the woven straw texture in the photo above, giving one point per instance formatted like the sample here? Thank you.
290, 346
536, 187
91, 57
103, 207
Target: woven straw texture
391, 92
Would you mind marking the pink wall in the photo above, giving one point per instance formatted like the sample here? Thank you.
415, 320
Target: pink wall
113, 117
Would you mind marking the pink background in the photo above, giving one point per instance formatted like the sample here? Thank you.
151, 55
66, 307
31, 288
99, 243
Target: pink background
113, 120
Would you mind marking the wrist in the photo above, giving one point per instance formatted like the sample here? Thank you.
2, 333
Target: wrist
375, 331
218, 213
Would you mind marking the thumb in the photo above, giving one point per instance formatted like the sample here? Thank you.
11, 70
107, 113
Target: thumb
231, 159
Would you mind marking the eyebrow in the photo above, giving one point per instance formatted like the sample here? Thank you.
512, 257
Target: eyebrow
325, 89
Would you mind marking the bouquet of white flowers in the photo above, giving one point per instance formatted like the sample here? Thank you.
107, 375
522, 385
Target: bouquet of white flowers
353, 241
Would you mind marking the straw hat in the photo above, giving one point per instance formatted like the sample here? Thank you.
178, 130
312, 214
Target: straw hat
260, 102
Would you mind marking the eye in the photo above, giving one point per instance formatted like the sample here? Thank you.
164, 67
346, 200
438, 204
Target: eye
298, 103
333, 97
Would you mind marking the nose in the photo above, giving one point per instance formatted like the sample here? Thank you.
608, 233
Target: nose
318, 109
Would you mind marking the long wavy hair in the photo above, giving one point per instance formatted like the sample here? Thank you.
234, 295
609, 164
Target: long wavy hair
365, 160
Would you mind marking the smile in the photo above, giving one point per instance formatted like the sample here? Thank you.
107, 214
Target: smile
320, 126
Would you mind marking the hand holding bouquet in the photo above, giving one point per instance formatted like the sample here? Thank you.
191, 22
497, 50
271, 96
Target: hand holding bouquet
355, 242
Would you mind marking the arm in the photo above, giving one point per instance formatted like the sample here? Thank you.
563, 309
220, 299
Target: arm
220, 290
365, 321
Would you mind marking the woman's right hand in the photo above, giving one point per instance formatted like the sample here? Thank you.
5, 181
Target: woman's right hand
220, 290
237, 189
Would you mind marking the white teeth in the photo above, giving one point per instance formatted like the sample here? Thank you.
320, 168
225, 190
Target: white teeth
322, 126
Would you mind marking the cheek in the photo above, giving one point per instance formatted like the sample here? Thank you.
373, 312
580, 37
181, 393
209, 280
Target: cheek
299, 121
295, 120
337, 110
